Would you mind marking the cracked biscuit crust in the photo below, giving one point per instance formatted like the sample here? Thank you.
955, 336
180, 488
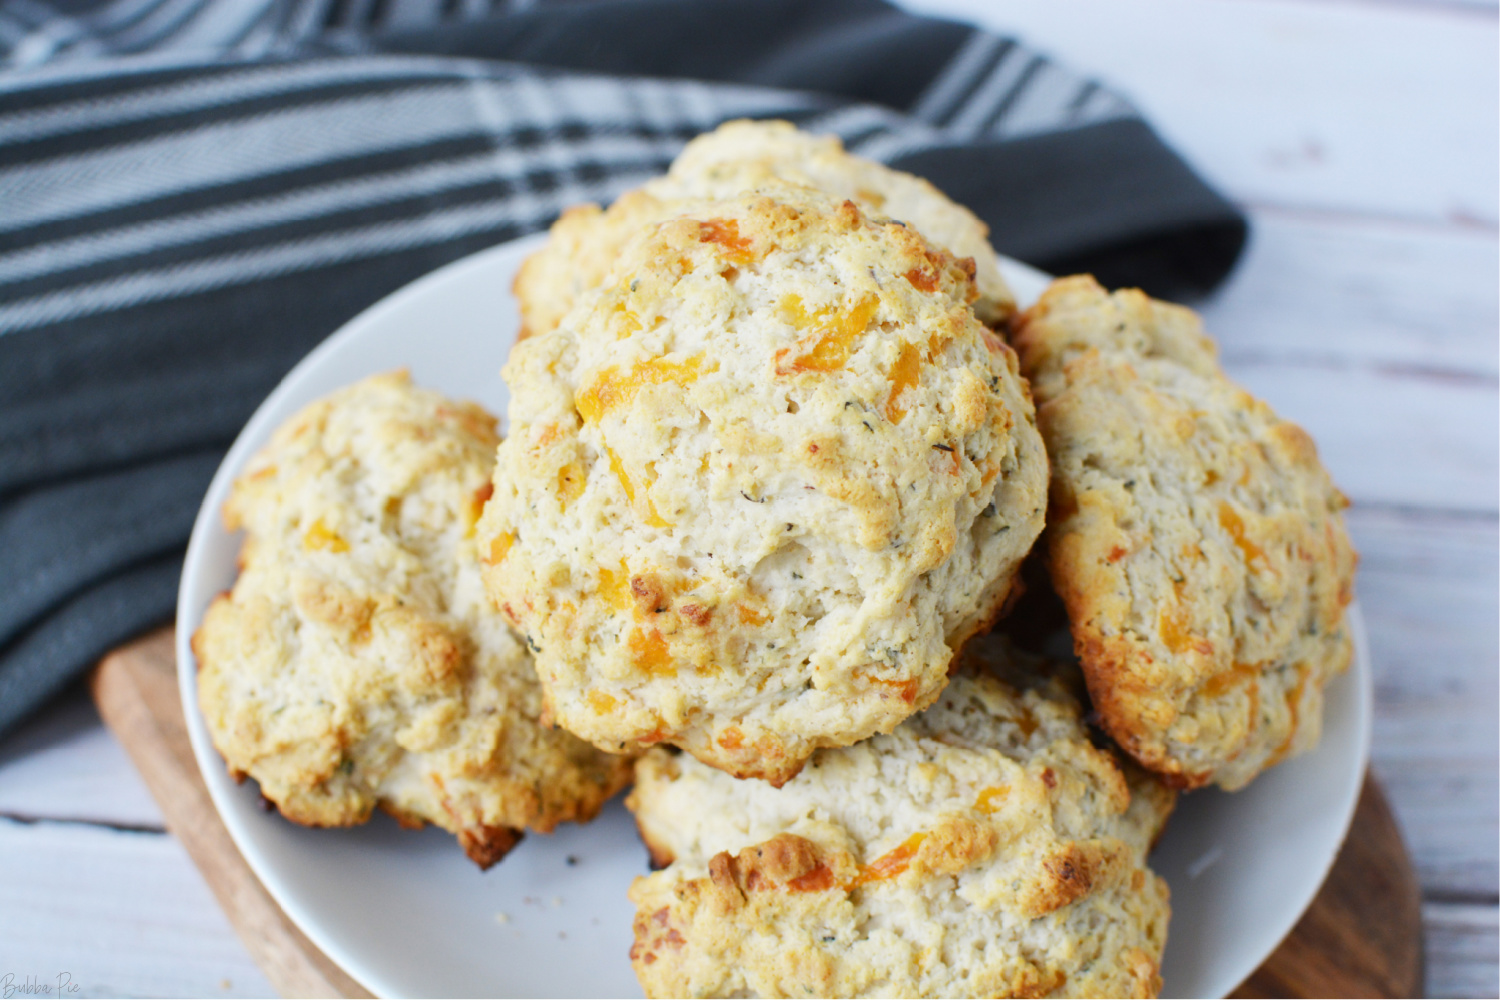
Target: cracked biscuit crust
737, 158
1195, 538
760, 485
354, 664
984, 848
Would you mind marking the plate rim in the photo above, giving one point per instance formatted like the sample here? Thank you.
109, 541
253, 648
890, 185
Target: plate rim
190, 610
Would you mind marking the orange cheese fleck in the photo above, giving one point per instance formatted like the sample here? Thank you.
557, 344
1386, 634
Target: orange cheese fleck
923, 280
570, 483
653, 517
1224, 680
833, 338
907, 689
732, 738
615, 587
613, 388
990, 799
750, 616
1173, 628
797, 315
624, 321
618, 467
726, 233
320, 536
500, 547
474, 509
818, 880
905, 374
601, 702
1230, 521
650, 652
1173, 624
890, 864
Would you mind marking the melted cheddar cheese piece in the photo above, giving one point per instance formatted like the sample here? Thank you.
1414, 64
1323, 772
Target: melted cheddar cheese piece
834, 332
613, 389
320, 536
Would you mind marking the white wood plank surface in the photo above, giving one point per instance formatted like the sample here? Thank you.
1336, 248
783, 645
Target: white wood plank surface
1463, 950
1397, 298
120, 913
1390, 440
1363, 136
1428, 589
1380, 339
1380, 109
65, 765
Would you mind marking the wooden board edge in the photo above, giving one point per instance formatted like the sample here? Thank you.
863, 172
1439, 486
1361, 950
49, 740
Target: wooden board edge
1362, 934
135, 689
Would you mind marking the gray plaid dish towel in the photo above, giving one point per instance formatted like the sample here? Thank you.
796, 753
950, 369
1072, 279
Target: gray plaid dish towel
194, 193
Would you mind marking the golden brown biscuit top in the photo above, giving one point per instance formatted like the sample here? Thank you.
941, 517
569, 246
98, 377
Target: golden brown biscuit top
1194, 536
983, 848
740, 158
773, 461
356, 663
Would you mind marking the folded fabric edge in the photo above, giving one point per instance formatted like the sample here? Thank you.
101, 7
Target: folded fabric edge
1109, 198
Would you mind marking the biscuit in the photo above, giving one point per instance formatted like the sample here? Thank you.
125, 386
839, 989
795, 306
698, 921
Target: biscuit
1196, 540
761, 485
738, 158
354, 664
985, 848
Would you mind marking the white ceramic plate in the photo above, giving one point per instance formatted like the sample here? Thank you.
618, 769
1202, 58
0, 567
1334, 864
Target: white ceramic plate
408, 915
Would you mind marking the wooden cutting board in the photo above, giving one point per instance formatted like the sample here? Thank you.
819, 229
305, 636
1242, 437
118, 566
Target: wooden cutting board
1362, 936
